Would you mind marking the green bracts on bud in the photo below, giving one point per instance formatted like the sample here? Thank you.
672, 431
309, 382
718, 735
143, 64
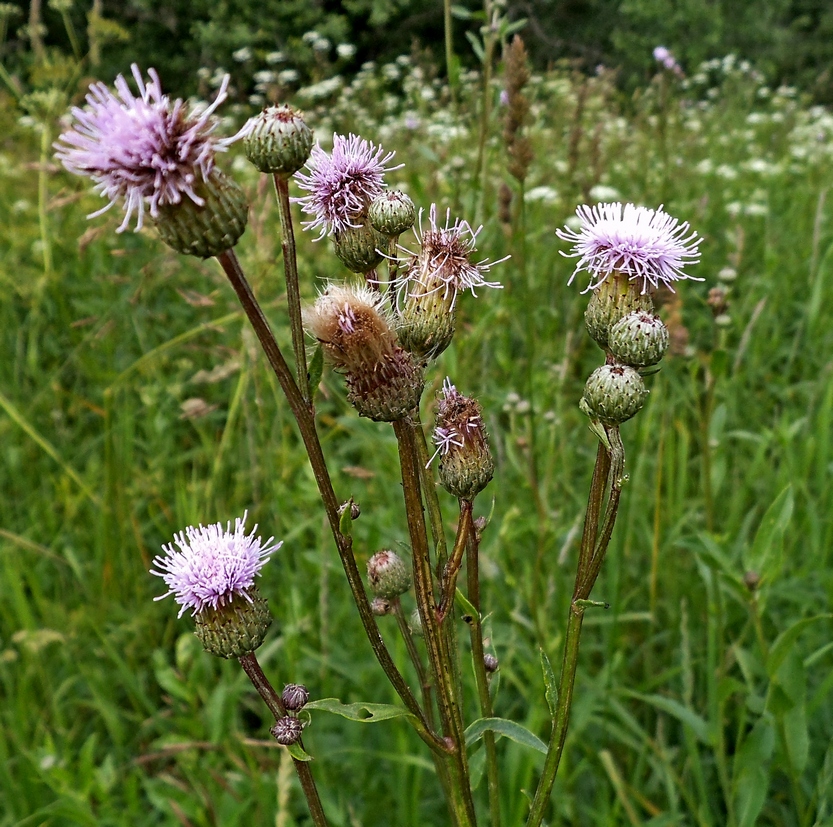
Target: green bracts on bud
639, 339
388, 575
426, 325
358, 248
612, 300
613, 394
211, 228
392, 213
390, 390
278, 141
235, 629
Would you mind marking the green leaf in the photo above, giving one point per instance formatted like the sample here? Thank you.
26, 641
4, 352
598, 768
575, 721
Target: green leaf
316, 369
682, 713
461, 12
784, 642
550, 683
298, 753
509, 729
467, 610
345, 521
476, 46
764, 557
363, 713
751, 794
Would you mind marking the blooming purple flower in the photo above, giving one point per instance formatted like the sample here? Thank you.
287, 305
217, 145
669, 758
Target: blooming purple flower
635, 241
342, 184
146, 150
444, 262
661, 54
212, 565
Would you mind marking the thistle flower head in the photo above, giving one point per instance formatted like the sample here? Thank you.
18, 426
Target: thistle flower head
212, 565
640, 243
146, 150
342, 184
443, 264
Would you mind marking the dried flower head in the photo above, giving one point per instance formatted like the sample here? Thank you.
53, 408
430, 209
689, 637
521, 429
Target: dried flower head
212, 565
636, 241
342, 184
146, 150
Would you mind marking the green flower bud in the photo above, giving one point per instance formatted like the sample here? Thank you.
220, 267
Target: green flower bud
612, 300
639, 339
388, 575
613, 394
358, 248
235, 629
211, 228
426, 325
278, 141
391, 213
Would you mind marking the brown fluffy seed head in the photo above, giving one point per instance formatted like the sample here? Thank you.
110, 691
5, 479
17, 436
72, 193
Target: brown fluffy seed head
639, 339
278, 141
287, 731
466, 463
388, 575
236, 628
613, 394
294, 696
384, 382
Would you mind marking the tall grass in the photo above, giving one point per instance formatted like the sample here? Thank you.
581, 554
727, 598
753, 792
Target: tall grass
134, 402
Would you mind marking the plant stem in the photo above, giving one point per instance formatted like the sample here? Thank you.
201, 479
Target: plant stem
450, 60
429, 490
436, 644
274, 701
293, 295
344, 543
609, 466
448, 583
478, 657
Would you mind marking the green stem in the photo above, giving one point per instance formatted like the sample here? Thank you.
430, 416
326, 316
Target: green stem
344, 543
293, 295
429, 490
448, 583
276, 706
482, 680
450, 61
436, 644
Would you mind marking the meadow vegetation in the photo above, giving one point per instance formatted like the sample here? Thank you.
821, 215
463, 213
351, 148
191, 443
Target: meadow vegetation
133, 402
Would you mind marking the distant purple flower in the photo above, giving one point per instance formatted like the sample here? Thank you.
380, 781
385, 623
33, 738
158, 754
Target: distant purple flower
661, 54
444, 261
342, 184
667, 60
146, 150
212, 565
636, 241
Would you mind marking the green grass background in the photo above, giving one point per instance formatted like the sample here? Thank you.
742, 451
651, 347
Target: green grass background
699, 702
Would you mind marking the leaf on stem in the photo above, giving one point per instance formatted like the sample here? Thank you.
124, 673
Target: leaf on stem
361, 712
550, 684
509, 729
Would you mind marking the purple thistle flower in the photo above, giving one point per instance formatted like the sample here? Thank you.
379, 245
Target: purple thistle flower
636, 241
342, 184
145, 149
444, 262
212, 565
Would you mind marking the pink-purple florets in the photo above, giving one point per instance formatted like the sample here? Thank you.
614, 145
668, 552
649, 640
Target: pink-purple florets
212, 565
342, 184
641, 243
145, 150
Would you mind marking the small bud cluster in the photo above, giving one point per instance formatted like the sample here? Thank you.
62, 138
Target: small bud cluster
288, 729
388, 575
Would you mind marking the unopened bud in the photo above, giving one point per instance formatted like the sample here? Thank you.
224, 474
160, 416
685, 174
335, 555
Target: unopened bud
236, 628
278, 141
490, 662
209, 228
355, 509
380, 607
388, 575
358, 248
392, 213
287, 731
613, 394
751, 579
612, 300
718, 301
639, 339
294, 696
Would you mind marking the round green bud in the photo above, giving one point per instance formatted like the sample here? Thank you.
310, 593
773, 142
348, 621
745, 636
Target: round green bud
613, 394
612, 300
392, 213
639, 339
235, 629
278, 141
388, 575
426, 325
206, 229
358, 248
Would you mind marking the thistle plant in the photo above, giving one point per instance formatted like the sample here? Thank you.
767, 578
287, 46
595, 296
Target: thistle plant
154, 156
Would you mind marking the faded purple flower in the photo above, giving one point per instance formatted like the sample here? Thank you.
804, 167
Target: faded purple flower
342, 184
146, 150
444, 261
460, 419
635, 241
212, 565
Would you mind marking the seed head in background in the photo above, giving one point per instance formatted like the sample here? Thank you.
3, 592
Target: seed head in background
145, 150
